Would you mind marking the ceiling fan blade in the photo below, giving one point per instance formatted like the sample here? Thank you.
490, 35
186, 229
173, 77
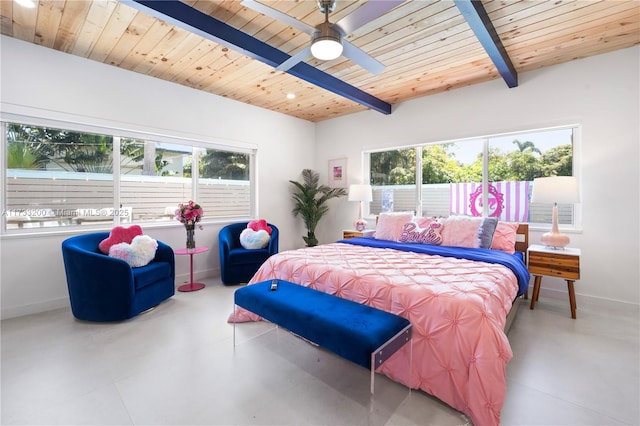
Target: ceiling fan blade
362, 58
365, 14
301, 56
277, 15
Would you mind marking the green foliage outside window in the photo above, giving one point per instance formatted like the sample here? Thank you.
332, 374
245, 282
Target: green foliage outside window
439, 165
35, 147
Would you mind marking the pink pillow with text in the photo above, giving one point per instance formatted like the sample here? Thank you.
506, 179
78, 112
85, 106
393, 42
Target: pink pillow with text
505, 237
412, 233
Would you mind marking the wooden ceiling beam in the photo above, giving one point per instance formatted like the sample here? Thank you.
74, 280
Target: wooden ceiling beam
190, 19
478, 19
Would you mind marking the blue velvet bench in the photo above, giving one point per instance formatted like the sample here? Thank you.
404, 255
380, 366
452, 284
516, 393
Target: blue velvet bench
364, 335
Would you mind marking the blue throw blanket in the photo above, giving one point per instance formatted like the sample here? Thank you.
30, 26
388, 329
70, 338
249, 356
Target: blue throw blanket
514, 262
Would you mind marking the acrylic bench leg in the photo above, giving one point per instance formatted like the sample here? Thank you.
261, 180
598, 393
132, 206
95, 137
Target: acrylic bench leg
373, 373
235, 311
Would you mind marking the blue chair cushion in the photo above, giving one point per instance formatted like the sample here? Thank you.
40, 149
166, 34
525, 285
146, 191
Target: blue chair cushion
149, 274
242, 256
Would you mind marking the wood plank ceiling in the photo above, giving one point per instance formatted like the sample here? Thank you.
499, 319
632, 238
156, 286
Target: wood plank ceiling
427, 47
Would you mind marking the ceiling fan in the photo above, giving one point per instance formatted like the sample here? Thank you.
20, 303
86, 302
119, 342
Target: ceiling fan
327, 39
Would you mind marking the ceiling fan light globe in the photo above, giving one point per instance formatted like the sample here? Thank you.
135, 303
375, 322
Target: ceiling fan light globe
326, 49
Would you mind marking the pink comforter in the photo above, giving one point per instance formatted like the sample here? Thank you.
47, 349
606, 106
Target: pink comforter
457, 307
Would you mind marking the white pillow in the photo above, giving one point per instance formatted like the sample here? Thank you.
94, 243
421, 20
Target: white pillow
252, 240
140, 252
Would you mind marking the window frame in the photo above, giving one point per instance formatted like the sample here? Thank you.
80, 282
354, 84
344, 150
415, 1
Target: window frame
576, 128
118, 133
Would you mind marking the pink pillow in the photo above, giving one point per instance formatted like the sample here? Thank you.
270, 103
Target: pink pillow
423, 222
468, 231
118, 235
390, 225
258, 225
412, 233
461, 231
505, 237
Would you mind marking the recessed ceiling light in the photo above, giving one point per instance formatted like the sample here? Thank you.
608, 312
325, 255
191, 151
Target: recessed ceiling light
291, 95
26, 3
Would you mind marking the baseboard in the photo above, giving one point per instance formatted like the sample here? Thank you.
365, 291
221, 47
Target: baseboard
34, 308
197, 275
581, 298
63, 302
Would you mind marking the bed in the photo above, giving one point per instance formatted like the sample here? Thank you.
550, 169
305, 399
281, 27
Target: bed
459, 300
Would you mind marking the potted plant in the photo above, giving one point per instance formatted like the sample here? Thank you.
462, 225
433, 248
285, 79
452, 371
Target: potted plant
311, 202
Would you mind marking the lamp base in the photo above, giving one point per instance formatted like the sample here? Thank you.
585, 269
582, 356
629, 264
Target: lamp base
360, 224
555, 240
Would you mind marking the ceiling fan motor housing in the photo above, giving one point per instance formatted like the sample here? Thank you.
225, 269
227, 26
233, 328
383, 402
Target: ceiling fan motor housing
326, 6
326, 42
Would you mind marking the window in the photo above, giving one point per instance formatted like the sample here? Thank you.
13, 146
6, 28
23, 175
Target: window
490, 176
57, 177
224, 182
154, 178
393, 177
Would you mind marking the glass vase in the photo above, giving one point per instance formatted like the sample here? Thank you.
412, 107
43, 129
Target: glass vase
191, 238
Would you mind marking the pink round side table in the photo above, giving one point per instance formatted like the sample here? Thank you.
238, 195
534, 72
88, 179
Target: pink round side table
191, 286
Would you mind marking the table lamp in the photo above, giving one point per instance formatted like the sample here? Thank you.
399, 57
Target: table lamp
362, 193
554, 190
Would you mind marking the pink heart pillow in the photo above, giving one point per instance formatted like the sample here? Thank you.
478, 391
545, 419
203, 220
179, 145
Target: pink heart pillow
118, 235
259, 225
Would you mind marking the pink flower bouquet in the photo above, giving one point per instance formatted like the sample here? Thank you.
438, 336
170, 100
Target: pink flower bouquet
189, 213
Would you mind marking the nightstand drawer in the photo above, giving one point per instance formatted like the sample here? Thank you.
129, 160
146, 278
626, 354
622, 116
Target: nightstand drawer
552, 264
367, 233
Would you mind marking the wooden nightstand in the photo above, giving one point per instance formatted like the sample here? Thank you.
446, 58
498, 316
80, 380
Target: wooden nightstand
352, 233
545, 261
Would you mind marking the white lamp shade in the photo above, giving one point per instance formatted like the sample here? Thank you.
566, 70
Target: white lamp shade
555, 189
362, 192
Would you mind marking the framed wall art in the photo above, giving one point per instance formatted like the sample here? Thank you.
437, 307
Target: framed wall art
338, 173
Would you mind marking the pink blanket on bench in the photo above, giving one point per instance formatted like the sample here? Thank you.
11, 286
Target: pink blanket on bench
458, 309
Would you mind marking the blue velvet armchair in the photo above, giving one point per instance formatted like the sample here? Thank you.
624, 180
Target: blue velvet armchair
103, 288
237, 264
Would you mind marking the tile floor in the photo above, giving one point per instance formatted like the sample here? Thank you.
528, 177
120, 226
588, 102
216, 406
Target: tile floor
177, 365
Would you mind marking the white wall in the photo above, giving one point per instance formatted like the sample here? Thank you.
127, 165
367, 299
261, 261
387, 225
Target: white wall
600, 93
42, 82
